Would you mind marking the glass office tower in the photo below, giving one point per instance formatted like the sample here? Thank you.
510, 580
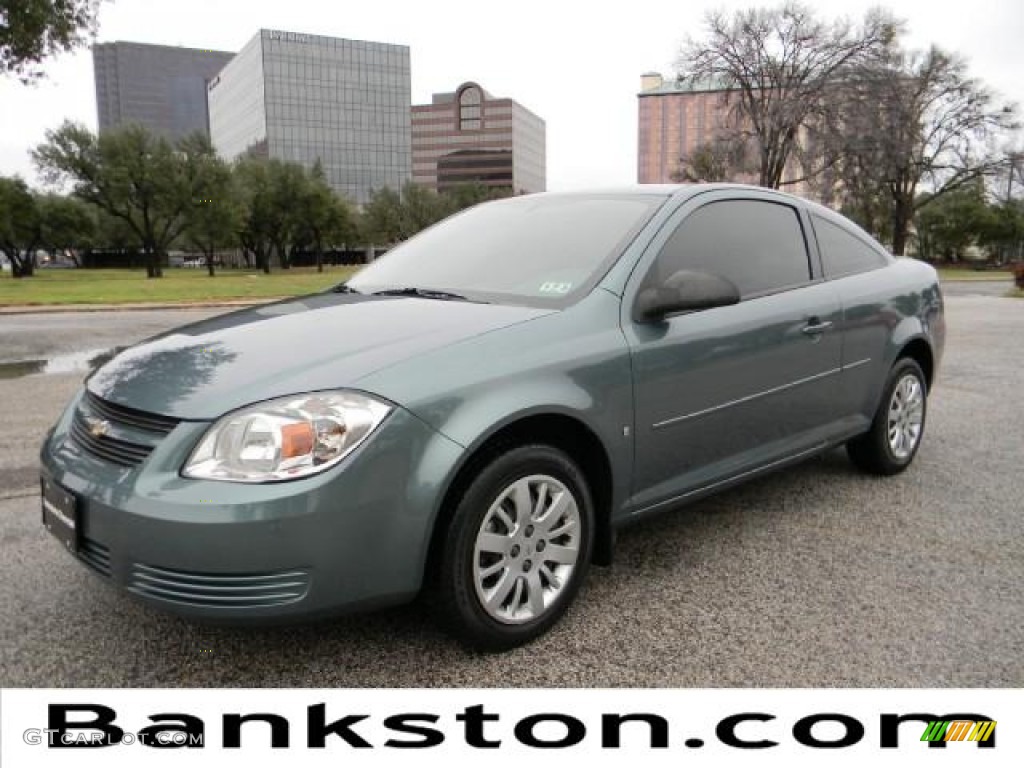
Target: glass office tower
307, 98
159, 87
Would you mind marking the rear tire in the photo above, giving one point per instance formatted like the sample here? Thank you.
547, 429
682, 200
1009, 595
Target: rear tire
896, 432
517, 549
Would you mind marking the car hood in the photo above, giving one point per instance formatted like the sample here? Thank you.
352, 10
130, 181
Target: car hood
318, 342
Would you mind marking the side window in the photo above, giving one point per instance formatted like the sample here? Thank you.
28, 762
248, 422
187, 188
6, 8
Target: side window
757, 245
843, 253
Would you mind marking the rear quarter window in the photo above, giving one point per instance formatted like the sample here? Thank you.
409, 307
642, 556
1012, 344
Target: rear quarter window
842, 252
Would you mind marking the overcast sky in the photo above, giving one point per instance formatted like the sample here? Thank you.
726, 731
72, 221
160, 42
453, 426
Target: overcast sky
576, 64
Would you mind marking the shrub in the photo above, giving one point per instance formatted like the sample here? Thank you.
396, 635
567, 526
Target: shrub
1018, 274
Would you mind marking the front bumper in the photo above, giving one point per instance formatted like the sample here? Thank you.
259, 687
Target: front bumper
354, 536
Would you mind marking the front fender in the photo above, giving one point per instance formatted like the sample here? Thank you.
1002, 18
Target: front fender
573, 363
480, 419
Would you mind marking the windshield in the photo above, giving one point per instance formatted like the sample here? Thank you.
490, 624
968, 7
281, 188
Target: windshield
539, 250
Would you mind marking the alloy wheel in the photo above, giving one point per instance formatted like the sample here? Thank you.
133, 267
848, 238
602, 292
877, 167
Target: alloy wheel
526, 549
906, 416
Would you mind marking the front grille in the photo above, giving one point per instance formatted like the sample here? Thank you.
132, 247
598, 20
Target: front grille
255, 590
96, 556
118, 450
129, 417
105, 447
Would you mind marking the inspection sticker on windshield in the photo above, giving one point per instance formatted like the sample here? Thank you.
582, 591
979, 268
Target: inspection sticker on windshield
555, 287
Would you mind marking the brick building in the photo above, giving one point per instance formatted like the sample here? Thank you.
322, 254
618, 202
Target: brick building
470, 136
675, 119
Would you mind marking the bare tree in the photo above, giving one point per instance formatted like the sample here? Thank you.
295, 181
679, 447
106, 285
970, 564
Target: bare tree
775, 67
916, 122
1009, 180
724, 158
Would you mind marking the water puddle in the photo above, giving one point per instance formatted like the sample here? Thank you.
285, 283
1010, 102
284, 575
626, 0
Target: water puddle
75, 362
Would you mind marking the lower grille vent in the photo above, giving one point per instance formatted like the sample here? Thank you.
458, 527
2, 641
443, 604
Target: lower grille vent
260, 590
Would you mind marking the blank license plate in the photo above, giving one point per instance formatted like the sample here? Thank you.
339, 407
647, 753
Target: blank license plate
60, 514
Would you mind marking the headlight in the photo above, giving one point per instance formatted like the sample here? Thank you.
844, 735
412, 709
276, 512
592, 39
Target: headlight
285, 439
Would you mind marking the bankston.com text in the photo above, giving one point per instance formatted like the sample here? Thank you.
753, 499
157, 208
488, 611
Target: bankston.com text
93, 725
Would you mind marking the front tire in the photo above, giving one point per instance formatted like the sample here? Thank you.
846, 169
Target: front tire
518, 548
896, 432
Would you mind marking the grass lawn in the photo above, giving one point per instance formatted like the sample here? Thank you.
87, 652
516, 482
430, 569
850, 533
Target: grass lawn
965, 273
123, 286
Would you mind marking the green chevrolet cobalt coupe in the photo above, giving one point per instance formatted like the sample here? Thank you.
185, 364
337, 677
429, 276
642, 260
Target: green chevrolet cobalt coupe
481, 409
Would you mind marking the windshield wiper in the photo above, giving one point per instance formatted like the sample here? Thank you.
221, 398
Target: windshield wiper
423, 293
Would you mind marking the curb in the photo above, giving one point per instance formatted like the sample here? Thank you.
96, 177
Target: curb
40, 309
974, 280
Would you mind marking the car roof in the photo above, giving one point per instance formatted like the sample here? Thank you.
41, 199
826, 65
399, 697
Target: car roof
671, 190
681, 192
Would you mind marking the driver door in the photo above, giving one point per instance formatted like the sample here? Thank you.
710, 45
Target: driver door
723, 391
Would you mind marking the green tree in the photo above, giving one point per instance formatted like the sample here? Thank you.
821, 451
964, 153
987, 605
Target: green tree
421, 207
251, 178
113, 234
20, 226
32, 30
1003, 234
271, 194
325, 219
949, 224
382, 217
131, 174
288, 187
68, 225
215, 216
466, 195
391, 216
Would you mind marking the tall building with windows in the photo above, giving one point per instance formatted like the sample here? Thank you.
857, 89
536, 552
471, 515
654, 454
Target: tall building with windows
307, 98
159, 87
470, 136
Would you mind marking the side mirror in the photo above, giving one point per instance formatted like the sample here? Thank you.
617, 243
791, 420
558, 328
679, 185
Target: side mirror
684, 291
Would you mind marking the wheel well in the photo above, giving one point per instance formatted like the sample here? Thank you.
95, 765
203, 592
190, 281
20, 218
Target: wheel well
919, 351
563, 432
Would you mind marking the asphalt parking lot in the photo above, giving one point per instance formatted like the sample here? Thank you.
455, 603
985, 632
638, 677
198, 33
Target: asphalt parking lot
815, 576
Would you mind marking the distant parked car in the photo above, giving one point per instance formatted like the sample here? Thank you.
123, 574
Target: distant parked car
482, 407
199, 262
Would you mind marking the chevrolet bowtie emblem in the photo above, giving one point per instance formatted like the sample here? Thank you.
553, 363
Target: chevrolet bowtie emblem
97, 427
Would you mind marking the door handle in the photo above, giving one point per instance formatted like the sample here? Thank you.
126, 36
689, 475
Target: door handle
815, 327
